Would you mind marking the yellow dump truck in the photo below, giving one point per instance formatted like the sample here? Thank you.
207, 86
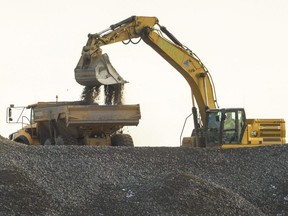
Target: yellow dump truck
74, 123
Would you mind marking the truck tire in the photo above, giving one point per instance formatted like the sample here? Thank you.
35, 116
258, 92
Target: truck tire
23, 140
122, 140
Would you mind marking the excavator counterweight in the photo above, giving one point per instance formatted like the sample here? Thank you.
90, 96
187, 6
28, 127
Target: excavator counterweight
96, 71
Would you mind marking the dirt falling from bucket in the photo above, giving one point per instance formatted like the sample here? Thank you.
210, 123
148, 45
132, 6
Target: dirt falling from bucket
113, 94
90, 94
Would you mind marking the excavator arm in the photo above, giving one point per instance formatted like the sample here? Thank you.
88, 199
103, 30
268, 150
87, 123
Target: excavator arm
188, 65
94, 68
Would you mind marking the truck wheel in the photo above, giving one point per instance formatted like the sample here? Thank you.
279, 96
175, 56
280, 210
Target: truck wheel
23, 140
122, 140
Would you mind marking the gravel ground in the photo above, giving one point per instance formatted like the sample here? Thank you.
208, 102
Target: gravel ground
86, 180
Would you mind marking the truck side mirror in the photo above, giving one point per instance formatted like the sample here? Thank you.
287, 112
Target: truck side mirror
9, 117
10, 114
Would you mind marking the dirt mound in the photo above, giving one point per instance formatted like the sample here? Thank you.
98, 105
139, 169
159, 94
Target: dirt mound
86, 180
185, 194
20, 196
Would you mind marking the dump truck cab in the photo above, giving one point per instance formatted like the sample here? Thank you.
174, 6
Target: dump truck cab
24, 116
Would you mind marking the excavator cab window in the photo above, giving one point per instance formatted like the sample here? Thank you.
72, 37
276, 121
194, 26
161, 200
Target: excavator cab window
233, 124
224, 126
213, 128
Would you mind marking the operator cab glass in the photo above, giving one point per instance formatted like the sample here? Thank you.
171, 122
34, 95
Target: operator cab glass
224, 126
213, 128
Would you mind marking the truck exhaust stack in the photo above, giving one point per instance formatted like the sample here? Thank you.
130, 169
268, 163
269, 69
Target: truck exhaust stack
96, 71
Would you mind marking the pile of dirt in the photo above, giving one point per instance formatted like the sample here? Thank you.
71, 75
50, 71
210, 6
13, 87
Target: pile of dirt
87, 180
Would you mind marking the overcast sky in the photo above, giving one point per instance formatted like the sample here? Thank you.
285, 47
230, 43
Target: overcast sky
242, 43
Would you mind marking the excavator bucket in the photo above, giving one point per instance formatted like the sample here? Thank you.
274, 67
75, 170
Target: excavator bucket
96, 71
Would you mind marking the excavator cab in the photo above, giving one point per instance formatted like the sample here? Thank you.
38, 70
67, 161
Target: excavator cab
224, 126
96, 71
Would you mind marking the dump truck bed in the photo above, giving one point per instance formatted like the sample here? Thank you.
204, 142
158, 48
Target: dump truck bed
78, 113
78, 123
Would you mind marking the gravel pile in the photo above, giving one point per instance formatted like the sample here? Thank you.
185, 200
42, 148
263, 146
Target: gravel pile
86, 180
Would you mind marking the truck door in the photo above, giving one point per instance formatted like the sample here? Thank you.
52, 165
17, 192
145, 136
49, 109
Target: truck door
213, 129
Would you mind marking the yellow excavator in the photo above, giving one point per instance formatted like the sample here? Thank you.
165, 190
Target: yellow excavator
213, 127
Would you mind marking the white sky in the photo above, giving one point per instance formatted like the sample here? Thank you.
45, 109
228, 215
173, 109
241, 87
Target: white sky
243, 44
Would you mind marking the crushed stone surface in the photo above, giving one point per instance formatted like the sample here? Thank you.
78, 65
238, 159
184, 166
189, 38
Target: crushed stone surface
88, 180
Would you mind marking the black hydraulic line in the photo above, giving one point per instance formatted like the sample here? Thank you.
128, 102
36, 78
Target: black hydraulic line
130, 19
196, 125
184, 127
170, 35
130, 40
